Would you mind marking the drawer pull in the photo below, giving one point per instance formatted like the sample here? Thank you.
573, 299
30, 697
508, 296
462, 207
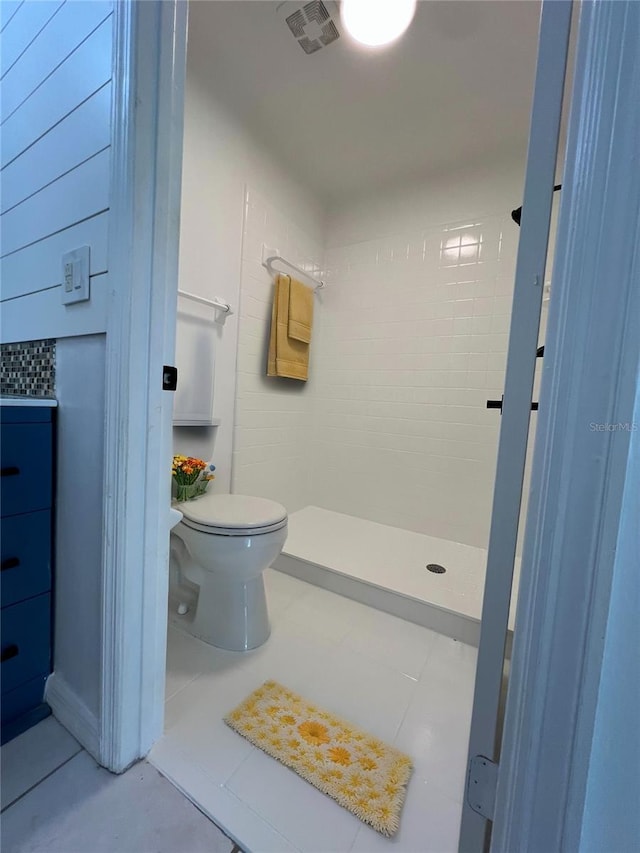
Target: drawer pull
11, 471
11, 651
10, 563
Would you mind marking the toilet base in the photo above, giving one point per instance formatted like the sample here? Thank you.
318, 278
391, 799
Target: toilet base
232, 614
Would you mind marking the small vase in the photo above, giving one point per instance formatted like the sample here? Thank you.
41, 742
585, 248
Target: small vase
189, 491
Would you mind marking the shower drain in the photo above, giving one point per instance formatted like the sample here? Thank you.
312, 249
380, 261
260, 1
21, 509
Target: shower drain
436, 568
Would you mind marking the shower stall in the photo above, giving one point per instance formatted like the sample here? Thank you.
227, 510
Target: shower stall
386, 457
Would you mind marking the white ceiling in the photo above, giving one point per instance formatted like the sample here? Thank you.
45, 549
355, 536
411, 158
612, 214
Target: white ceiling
455, 90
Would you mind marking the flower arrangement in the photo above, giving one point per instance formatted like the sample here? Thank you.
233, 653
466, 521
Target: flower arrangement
191, 476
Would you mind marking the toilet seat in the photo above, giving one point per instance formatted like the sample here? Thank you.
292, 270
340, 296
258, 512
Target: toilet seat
233, 515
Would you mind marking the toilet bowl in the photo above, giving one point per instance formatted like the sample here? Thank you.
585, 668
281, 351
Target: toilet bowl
223, 544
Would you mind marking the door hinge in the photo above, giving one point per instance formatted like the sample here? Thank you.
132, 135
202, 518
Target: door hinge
482, 781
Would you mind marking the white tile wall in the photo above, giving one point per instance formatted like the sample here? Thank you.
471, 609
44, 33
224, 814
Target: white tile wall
274, 417
410, 341
413, 343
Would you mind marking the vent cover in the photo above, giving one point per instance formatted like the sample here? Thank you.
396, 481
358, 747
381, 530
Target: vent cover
312, 25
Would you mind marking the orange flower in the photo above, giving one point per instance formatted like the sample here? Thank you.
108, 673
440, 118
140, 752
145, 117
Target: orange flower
314, 732
340, 755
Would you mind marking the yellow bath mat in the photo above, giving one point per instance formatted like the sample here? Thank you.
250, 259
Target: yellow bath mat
360, 772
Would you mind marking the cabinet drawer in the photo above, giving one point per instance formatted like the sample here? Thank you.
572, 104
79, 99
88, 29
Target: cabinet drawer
26, 461
21, 700
26, 641
25, 556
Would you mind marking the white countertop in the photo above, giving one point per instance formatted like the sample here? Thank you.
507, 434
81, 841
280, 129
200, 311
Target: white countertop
28, 401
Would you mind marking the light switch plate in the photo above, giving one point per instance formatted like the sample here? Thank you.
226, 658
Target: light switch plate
75, 275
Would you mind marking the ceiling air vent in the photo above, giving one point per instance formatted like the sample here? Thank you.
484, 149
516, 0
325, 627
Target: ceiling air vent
311, 24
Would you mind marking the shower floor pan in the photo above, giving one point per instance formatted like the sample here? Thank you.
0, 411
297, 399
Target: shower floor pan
386, 568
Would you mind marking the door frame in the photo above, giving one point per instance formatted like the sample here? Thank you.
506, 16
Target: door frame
537, 202
591, 376
147, 130
149, 67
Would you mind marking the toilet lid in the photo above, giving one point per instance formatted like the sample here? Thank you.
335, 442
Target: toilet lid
231, 512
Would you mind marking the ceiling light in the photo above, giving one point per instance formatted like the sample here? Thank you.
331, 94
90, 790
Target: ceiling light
377, 22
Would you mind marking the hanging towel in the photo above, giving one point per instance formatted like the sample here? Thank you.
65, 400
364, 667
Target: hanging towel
287, 356
300, 311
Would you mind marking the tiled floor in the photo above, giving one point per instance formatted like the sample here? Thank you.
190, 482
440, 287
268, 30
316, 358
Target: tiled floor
57, 799
403, 683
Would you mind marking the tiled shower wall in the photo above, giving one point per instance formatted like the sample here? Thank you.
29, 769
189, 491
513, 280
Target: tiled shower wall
28, 369
413, 344
409, 343
273, 433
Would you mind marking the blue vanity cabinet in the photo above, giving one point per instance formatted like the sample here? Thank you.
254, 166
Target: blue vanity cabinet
26, 554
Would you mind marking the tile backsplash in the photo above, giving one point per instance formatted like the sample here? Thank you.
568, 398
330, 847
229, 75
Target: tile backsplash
28, 369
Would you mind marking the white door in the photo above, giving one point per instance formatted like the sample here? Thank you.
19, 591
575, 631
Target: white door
532, 252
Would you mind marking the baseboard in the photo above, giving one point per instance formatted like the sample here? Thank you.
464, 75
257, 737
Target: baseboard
73, 714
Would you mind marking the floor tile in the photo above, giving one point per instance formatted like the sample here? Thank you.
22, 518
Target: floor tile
33, 755
282, 591
435, 730
429, 823
309, 819
329, 615
240, 822
394, 642
187, 657
194, 719
394, 679
83, 807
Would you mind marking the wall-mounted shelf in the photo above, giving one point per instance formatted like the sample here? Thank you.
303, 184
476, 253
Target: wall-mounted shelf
213, 422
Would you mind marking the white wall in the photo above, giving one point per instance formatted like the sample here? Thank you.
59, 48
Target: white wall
414, 340
274, 427
221, 161
80, 385
55, 196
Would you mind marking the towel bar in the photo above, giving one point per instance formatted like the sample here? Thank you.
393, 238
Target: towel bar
213, 303
268, 264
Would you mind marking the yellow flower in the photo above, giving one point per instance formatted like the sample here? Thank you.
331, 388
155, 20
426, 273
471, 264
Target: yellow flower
340, 755
346, 791
367, 763
344, 736
314, 732
376, 747
272, 710
287, 719
363, 804
384, 812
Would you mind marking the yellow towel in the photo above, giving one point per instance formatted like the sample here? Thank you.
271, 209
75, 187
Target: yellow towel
300, 311
287, 356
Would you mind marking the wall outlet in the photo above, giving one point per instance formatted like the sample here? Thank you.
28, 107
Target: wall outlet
75, 275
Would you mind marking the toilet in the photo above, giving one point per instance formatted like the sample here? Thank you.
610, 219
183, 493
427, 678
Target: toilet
223, 544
